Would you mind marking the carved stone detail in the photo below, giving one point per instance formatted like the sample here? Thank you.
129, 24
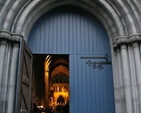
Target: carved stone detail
115, 45
135, 38
121, 40
16, 37
9, 36
5, 34
127, 40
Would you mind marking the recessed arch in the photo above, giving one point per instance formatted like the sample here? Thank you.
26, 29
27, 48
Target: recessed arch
76, 32
60, 99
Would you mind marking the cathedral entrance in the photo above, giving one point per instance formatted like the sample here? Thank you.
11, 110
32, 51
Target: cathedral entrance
80, 37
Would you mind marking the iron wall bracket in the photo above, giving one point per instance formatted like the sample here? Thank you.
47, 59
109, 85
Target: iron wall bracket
97, 64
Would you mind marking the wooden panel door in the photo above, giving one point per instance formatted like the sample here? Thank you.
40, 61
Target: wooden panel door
67, 32
24, 80
91, 84
75, 33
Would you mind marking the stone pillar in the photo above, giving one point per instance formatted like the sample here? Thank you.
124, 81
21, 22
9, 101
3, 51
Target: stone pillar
2, 57
126, 78
137, 60
135, 101
9, 50
46, 87
12, 75
124, 75
130, 54
3, 47
46, 65
120, 86
4, 68
5, 77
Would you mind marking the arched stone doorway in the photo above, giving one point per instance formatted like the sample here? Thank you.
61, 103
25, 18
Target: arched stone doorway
121, 20
73, 31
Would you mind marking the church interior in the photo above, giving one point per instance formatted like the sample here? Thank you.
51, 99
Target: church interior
50, 80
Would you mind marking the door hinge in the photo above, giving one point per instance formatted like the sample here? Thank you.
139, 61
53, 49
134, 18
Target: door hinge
97, 64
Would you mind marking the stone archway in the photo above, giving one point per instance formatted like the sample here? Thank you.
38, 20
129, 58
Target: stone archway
60, 100
78, 33
121, 20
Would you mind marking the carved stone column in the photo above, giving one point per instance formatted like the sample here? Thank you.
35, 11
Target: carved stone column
3, 74
124, 65
134, 40
2, 57
130, 55
46, 87
9, 52
120, 85
127, 79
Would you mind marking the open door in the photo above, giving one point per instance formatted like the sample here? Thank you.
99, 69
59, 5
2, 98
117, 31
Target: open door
24, 80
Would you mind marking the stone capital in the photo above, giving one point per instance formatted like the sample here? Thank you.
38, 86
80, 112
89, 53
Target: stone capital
134, 38
120, 41
9, 36
123, 40
5, 34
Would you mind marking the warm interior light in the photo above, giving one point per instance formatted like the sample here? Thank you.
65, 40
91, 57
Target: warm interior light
40, 107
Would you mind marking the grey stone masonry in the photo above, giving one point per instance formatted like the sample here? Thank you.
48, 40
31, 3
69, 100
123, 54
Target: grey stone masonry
9, 53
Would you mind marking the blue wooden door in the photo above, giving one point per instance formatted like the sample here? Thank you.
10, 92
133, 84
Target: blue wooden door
78, 34
91, 88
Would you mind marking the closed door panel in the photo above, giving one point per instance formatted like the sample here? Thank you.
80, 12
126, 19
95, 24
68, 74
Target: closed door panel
91, 85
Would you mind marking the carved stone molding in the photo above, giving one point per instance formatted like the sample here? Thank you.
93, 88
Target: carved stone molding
115, 45
122, 40
9, 36
135, 38
127, 40
16, 37
5, 34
